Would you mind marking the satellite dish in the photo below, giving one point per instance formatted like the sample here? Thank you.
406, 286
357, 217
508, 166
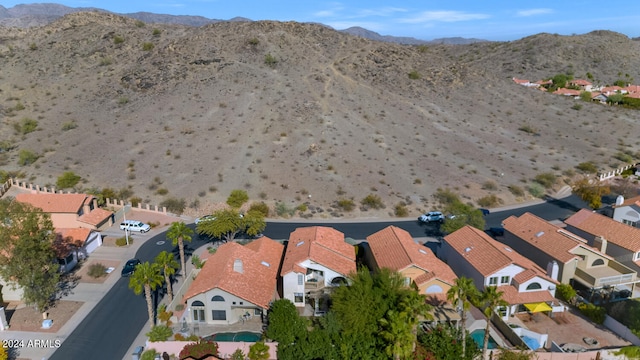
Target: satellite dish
619, 200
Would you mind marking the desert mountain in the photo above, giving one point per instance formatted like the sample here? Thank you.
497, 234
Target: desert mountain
299, 112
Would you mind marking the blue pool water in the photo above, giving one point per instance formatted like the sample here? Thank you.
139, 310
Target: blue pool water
532, 343
478, 337
245, 336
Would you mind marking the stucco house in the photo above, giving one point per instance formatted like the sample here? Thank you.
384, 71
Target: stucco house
235, 283
394, 248
70, 210
316, 259
75, 244
473, 254
566, 256
614, 238
627, 211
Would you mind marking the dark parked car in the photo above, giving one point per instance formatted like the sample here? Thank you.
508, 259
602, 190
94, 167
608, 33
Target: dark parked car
485, 212
496, 231
130, 267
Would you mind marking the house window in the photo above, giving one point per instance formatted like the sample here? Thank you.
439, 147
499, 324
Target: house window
629, 222
233, 303
493, 280
534, 286
504, 280
637, 257
298, 297
597, 262
217, 298
300, 279
198, 311
257, 312
241, 302
218, 314
407, 281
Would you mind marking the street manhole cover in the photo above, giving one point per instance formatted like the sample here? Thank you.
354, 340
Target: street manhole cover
161, 242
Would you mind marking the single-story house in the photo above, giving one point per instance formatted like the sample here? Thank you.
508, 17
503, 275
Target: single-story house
70, 210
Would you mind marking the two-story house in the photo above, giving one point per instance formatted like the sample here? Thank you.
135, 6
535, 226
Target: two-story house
316, 259
473, 254
627, 211
394, 248
566, 256
235, 283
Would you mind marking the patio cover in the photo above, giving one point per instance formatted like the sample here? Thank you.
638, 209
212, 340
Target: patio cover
538, 307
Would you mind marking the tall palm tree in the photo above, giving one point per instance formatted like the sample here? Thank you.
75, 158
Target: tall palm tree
489, 299
459, 294
397, 331
169, 265
178, 233
147, 278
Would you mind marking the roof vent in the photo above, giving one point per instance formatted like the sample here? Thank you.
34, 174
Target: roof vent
422, 251
300, 243
508, 249
539, 234
265, 263
238, 266
467, 249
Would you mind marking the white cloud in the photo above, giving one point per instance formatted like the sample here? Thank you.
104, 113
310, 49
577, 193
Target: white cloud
534, 12
443, 16
386, 11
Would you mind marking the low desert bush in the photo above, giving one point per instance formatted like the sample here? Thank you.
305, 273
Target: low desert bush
595, 313
588, 167
97, 270
546, 179
122, 241
489, 201
147, 46
346, 204
516, 190
27, 157
160, 333
372, 201
174, 205
490, 185
261, 207
67, 180
69, 125
283, 210
400, 210
536, 190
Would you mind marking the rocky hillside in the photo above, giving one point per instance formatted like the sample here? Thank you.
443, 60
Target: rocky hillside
299, 112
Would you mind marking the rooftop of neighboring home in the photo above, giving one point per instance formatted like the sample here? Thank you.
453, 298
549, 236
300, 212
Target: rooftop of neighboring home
629, 202
55, 203
248, 272
322, 245
623, 235
395, 249
512, 296
568, 92
487, 255
553, 240
74, 235
579, 82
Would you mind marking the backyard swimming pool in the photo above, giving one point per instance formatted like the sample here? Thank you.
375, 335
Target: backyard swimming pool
478, 337
245, 336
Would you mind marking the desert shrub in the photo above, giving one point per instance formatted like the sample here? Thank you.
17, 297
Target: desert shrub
105, 61
122, 241
577, 106
161, 191
624, 157
536, 190
174, 205
302, 207
565, 292
446, 197
67, 180
346, 204
135, 201
546, 179
260, 207
516, 190
140, 23
118, 39
237, 198
147, 46
593, 312
7, 145
489, 201
400, 210
237, 355
69, 125
199, 349
490, 185
528, 129
629, 352
25, 126
587, 167
196, 261
253, 41
97, 270
159, 333
585, 96
283, 210
19, 106
26, 157
156, 32
372, 201
270, 60
123, 100
414, 75
149, 354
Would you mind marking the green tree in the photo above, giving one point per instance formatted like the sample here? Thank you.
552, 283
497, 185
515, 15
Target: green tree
285, 325
585, 96
67, 180
199, 350
591, 191
464, 214
259, 351
147, 278
237, 198
565, 292
159, 333
178, 233
169, 265
396, 330
560, 80
615, 99
460, 294
228, 223
506, 354
28, 258
237, 355
488, 300
443, 343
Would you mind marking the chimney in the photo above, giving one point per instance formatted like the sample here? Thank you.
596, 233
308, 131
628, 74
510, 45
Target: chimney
553, 269
600, 243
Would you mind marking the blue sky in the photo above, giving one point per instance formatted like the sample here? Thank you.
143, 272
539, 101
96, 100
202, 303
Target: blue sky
422, 19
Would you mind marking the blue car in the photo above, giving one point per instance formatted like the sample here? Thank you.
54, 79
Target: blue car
130, 267
485, 212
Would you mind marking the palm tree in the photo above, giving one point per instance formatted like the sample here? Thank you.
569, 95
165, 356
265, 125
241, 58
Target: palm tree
397, 332
462, 290
489, 299
169, 265
178, 233
146, 277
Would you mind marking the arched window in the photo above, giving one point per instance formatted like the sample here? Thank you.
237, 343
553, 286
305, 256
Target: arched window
217, 298
434, 289
597, 262
197, 303
534, 286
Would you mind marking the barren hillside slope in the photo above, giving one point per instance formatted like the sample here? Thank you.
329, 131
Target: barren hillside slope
299, 112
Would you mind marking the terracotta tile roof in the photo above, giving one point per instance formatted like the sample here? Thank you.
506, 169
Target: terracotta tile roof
579, 82
632, 88
394, 248
487, 255
543, 235
524, 276
568, 92
257, 281
55, 203
630, 201
75, 235
544, 82
520, 81
95, 217
607, 90
323, 245
633, 95
512, 296
623, 235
